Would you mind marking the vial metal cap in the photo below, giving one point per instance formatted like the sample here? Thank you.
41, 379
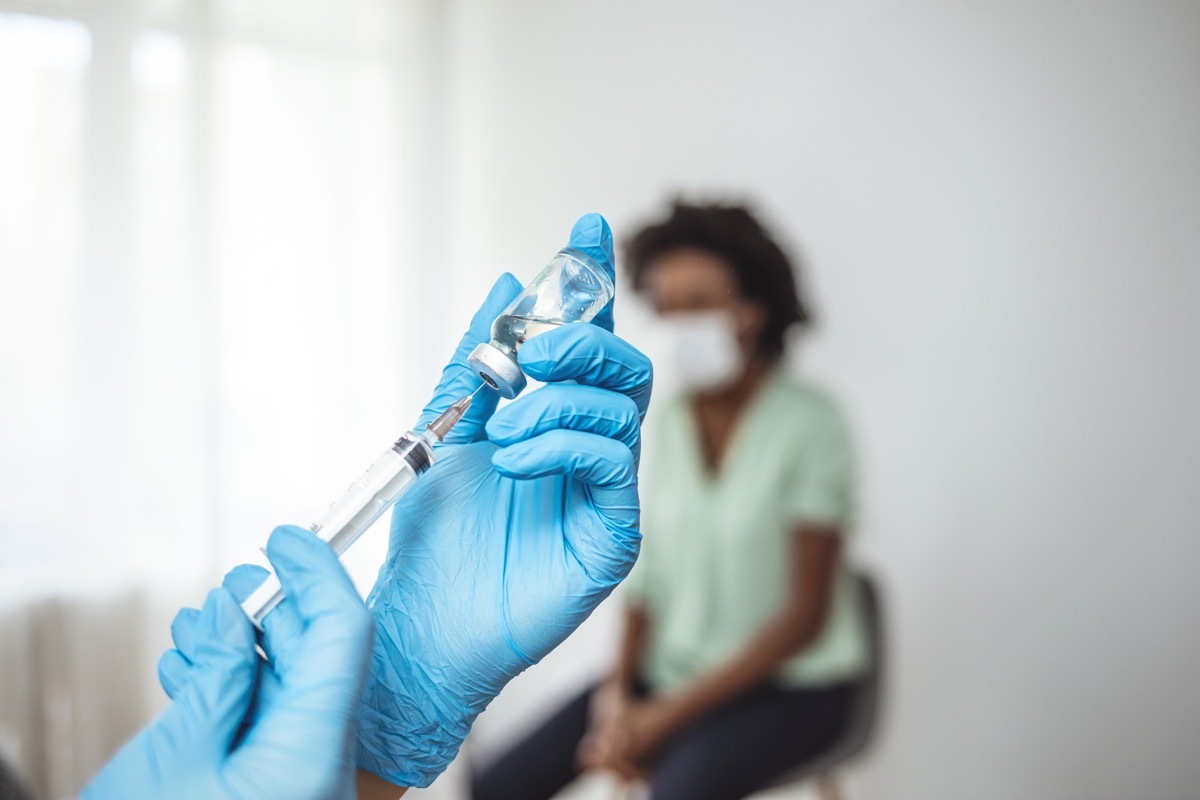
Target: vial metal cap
498, 370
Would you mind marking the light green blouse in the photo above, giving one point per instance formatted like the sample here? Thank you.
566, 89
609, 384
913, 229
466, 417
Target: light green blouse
715, 548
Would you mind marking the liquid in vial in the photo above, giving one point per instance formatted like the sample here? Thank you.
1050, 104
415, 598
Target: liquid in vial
572, 288
511, 331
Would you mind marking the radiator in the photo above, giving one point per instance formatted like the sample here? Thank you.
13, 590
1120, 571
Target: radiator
75, 682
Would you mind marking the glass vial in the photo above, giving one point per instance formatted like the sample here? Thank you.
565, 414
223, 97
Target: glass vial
572, 288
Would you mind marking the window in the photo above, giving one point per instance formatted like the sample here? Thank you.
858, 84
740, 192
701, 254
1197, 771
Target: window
43, 77
200, 230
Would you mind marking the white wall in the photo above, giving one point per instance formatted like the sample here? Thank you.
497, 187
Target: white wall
999, 207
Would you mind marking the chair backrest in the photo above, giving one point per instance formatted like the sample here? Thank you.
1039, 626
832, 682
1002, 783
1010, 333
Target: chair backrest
867, 693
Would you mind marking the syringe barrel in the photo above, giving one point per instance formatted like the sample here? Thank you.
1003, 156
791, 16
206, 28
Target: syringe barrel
348, 517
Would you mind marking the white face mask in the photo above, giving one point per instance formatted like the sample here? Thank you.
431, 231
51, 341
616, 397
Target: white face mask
700, 349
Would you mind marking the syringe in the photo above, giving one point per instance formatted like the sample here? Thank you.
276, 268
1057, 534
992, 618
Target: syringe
366, 499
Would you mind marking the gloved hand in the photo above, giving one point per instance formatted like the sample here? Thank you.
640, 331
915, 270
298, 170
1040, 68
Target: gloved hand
526, 521
281, 629
299, 742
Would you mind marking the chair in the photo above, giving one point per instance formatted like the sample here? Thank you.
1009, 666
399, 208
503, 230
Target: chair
866, 704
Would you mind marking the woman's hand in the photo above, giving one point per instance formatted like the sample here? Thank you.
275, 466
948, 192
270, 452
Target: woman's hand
606, 744
650, 725
628, 734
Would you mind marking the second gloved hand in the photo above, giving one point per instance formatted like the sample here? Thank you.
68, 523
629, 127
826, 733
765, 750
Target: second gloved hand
526, 522
298, 744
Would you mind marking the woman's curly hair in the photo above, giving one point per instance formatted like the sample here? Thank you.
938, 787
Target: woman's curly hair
764, 274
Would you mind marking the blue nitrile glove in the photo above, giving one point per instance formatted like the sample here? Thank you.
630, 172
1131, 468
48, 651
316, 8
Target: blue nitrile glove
527, 520
300, 745
282, 627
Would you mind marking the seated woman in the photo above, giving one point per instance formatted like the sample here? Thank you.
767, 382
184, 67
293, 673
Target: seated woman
743, 634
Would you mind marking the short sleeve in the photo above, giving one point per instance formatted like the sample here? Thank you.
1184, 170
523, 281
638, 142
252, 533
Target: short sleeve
825, 474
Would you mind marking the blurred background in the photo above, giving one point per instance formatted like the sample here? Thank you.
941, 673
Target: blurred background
238, 240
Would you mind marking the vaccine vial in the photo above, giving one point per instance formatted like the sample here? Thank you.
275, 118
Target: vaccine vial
571, 288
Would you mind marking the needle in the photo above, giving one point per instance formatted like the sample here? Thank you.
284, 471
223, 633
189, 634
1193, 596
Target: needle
448, 418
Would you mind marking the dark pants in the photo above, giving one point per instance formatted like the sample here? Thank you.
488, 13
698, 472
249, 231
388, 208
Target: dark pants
734, 751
